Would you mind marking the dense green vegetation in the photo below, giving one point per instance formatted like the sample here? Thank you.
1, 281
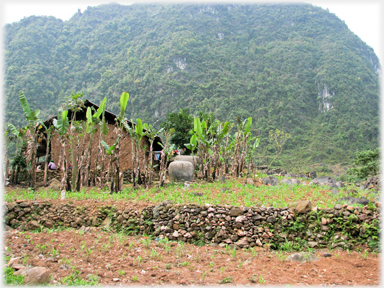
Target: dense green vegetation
367, 165
232, 192
283, 65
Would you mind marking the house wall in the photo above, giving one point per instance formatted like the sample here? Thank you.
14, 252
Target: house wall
125, 150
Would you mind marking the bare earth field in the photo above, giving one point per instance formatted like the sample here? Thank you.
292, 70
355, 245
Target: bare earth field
117, 259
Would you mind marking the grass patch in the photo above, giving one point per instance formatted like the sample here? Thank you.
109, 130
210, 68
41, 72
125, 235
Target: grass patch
232, 192
9, 278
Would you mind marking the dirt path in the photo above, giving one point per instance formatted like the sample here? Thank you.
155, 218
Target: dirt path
128, 260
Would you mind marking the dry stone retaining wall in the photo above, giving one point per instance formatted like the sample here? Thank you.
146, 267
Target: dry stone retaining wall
300, 226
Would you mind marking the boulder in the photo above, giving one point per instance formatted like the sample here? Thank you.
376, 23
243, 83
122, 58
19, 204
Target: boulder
283, 172
189, 158
33, 225
35, 275
301, 257
290, 181
107, 223
334, 192
340, 184
270, 180
249, 181
324, 180
13, 261
54, 185
302, 206
181, 171
236, 211
353, 200
274, 171
312, 174
243, 242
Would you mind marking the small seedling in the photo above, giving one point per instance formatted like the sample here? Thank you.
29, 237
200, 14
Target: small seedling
203, 276
121, 273
154, 253
55, 252
253, 251
134, 279
146, 242
138, 260
261, 280
168, 266
25, 259
42, 248
88, 252
83, 247
226, 280
253, 279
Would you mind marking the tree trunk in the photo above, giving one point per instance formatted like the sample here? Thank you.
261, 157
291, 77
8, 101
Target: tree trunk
150, 162
74, 163
88, 163
145, 169
32, 182
64, 168
133, 162
46, 161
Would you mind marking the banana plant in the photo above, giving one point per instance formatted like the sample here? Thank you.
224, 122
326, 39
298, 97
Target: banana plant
151, 133
33, 122
90, 129
18, 161
192, 145
253, 144
137, 134
166, 155
240, 147
48, 135
111, 152
117, 187
103, 127
62, 125
131, 131
75, 104
218, 131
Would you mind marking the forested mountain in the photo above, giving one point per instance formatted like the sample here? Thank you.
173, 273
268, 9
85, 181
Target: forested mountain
295, 67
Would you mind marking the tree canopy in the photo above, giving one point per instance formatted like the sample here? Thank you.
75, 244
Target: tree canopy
293, 67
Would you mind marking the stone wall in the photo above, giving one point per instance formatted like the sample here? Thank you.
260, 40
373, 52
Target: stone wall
342, 226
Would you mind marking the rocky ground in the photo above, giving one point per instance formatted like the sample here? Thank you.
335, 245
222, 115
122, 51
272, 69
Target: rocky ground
116, 259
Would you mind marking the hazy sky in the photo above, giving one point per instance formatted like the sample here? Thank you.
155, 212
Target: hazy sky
361, 17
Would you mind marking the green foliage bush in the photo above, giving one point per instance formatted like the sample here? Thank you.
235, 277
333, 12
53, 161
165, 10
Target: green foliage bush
182, 124
368, 162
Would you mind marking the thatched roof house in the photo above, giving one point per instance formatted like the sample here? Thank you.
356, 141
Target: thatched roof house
125, 141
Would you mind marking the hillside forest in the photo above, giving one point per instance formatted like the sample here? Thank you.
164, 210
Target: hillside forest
294, 68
